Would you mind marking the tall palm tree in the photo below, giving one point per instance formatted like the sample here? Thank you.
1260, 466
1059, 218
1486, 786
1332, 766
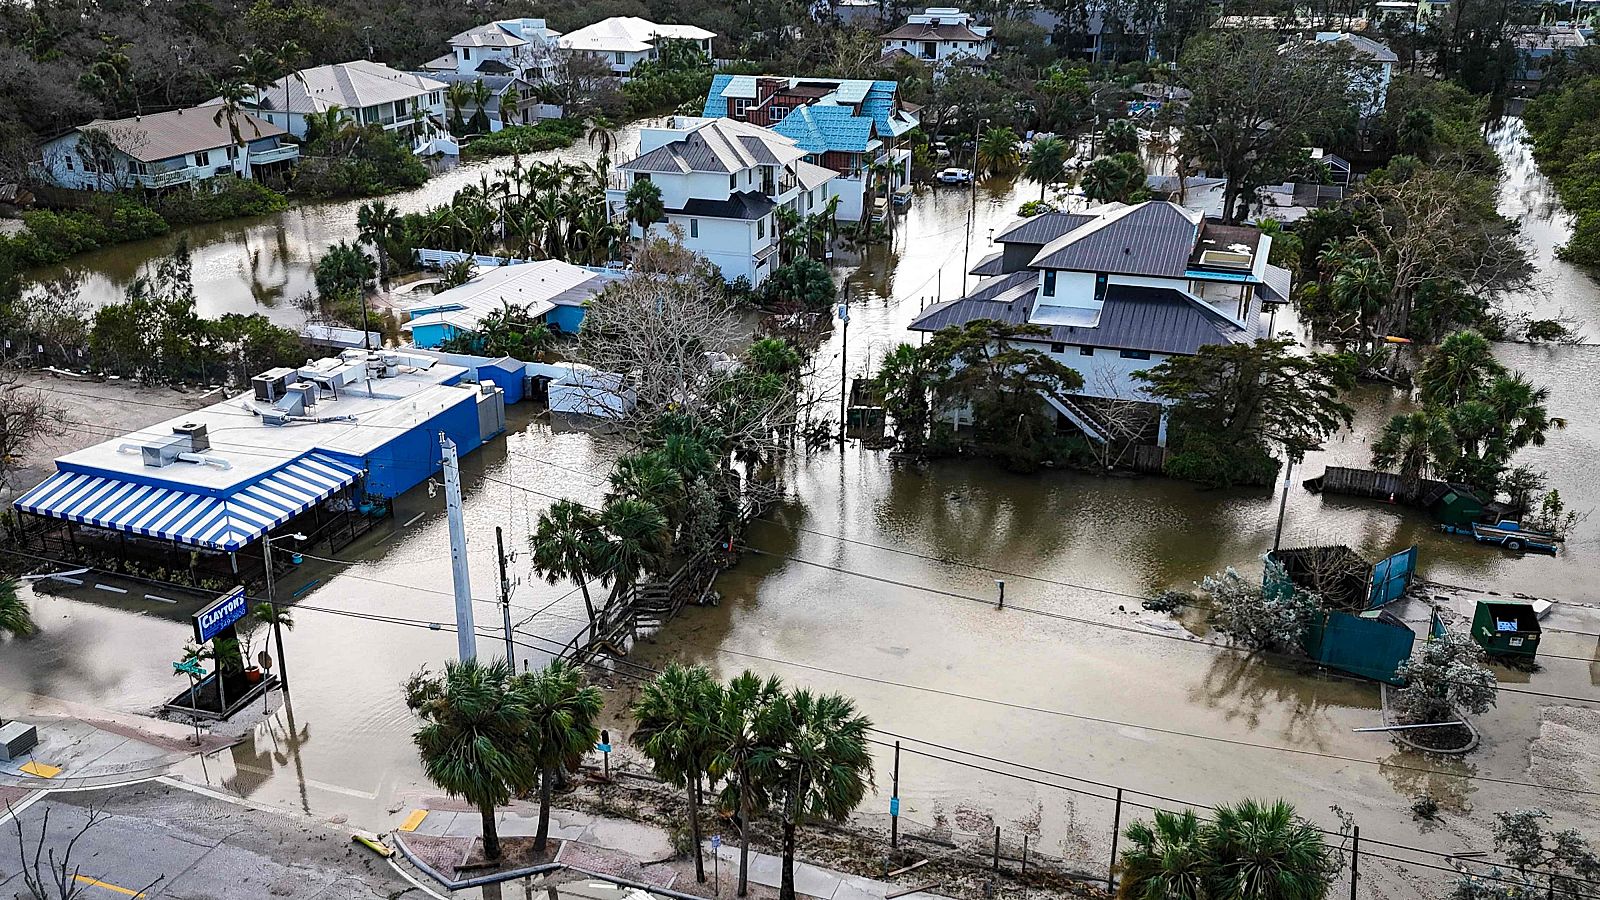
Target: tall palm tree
998, 152
1046, 162
1264, 851
457, 96
257, 68
476, 740
480, 95
602, 139
673, 715
647, 477
233, 94
1361, 286
1164, 859
1457, 370
815, 759
561, 714
1520, 408
378, 224
511, 105
568, 544
1414, 444
15, 618
644, 205
640, 541
738, 739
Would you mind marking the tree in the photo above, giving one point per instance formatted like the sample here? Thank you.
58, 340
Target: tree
344, 271
49, 872
1114, 179
456, 96
1257, 104
998, 151
480, 94
26, 418
561, 713
378, 224
644, 206
805, 282
1249, 851
738, 737
814, 756
1413, 445
1122, 136
1547, 863
1243, 398
1046, 161
511, 105
477, 741
639, 542
233, 94
1272, 616
1448, 678
907, 377
673, 717
567, 544
15, 617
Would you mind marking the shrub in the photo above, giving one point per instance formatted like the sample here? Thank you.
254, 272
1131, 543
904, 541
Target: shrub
1448, 678
551, 134
229, 198
1168, 601
1202, 457
1273, 616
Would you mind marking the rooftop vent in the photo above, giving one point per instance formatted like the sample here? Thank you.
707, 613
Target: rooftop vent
199, 440
1226, 259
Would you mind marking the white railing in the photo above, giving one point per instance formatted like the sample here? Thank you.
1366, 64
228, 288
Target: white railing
274, 154
438, 259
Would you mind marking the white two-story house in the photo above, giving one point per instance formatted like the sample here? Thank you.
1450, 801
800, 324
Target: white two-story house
1372, 68
1118, 289
623, 42
525, 48
363, 92
181, 147
721, 183
940, 34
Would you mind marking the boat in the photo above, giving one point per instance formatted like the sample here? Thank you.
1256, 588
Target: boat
955, 175
1512, 536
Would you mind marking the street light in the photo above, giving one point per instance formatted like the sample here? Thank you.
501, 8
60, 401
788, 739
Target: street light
277, 629
844, 361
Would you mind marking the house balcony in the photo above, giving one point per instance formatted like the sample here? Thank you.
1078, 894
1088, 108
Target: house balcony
172, 177
277, 154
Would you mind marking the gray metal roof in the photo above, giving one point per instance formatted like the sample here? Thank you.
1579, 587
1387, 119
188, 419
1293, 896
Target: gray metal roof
1043, 228
1154, 238
719, 145
743, 205
1275, 287
1155, 320
993, 264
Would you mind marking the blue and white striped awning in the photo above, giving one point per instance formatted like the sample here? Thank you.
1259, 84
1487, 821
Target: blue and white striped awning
226, 522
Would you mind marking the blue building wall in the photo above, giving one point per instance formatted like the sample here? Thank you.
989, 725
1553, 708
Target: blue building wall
565, 319
412, 456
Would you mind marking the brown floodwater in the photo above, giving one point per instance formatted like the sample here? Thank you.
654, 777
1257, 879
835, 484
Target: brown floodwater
873, 579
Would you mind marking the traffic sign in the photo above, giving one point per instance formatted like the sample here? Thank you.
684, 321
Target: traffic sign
189, 667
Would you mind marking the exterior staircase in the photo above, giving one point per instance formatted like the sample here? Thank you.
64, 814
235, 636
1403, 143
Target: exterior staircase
1078, 416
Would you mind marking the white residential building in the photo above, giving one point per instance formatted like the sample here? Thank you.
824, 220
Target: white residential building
524, 48
1119, 289
363, 92
181, 147
1373, 67
940, 34
623, 42
721, 182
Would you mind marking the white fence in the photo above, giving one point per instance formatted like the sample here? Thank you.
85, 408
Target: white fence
439, 259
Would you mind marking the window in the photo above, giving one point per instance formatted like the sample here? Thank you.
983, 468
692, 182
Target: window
203, 158
1058, 348
1135, 354
1049, 282
640, 176
69, 163
466, 52
741, 105
733, 181
694, 228
618, 58
761, 229
1085, 351
1100, 284
777, 113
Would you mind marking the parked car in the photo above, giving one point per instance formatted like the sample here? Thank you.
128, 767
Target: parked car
941, 150
954, 175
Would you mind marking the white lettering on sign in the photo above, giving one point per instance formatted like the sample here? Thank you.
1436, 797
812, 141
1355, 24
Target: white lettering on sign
219, 615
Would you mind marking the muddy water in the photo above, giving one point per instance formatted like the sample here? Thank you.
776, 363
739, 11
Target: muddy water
1072, 678
261, 265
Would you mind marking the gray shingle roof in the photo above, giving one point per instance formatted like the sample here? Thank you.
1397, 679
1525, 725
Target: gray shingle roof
1043, 228
163, 135
720, 145
743, 205
1154, 320
1154, 238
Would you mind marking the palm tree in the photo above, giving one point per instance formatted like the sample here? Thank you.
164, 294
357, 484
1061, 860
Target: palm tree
603, 139
476, 742
15, 618
648, 478
233, 93
1362, 287
1164, 860
279, 619
738, 739
561, 713
1414, 444
814, 756
511, 105
1266, 852
640, 540
378, 224
457, 96
257, 68
1457, 370
1520, 409
643, 202
1046, 161
997, 151
1114, 179
288, 56
480, 95
674, 714
568, 544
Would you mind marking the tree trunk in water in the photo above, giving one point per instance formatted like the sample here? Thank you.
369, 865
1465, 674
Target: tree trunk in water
744, 834
786, 891
694, 830
491, 837
588, 605
543, 833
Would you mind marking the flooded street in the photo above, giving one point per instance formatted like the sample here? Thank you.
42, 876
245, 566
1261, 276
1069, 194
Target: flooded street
877, 580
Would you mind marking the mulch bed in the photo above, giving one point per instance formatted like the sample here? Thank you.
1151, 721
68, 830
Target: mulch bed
1445, 739
515, 853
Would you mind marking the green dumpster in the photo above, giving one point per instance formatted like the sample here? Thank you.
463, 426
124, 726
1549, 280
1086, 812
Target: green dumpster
1457, 508
1506, 628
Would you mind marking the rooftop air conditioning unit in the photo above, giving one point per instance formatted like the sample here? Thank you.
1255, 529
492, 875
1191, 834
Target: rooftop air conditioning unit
269, 385
199, 440
1226, 259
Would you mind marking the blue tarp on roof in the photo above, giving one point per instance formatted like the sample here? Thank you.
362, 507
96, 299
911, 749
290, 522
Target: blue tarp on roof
225, 522
817, 129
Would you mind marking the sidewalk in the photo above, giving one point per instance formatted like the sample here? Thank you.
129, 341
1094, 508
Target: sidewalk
630, 850
85, 747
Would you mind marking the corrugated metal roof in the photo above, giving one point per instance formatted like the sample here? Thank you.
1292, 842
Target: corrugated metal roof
818, 128
811, 176
1154, 238
1154, 320
719, 145
746, 205
1043, 228
165, 135
1276, 285
993, 264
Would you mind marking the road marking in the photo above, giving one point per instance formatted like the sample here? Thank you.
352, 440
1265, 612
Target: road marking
114, 590
39, 769
158, 599
15, 809
413, 820
105, 885
413, 520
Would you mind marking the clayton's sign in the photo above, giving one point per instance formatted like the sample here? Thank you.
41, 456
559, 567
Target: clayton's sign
226, 610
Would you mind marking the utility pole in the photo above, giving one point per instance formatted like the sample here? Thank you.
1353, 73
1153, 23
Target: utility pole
1283, 504
844, 361
505, 596
466, 633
